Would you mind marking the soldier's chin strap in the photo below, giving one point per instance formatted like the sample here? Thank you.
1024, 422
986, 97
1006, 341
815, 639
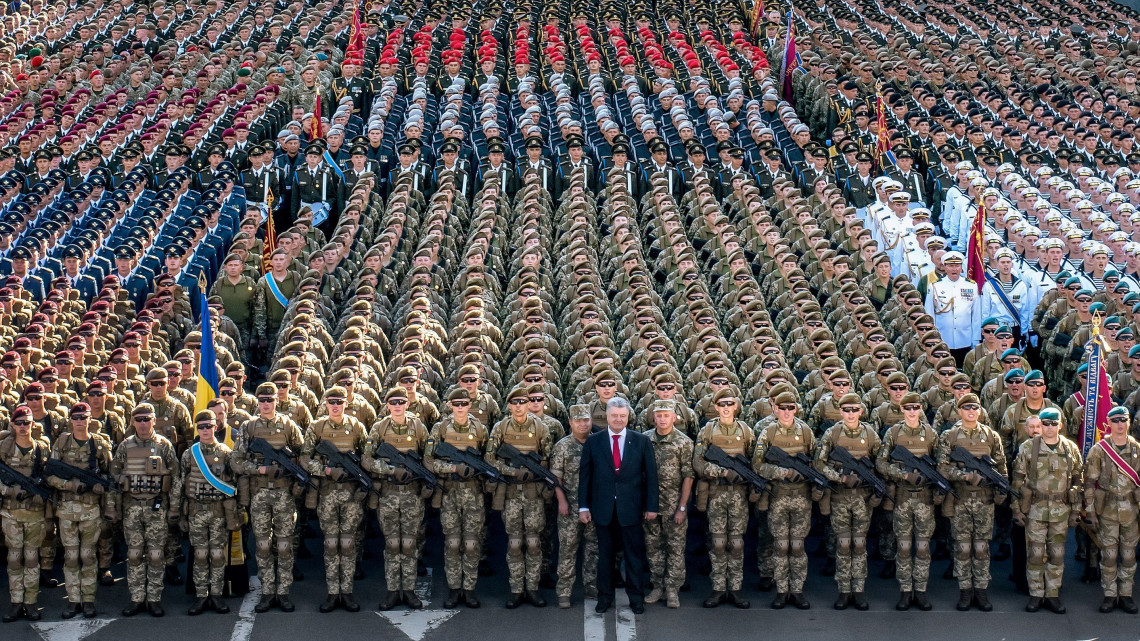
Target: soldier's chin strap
217, 483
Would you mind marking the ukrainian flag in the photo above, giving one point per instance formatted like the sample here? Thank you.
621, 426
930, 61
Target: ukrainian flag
207, 364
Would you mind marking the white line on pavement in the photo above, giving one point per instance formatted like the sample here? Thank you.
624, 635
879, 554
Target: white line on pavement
624, 623
593, 624
243, 629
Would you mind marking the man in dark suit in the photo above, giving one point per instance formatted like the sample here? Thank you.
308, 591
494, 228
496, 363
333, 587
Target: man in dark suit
617, 489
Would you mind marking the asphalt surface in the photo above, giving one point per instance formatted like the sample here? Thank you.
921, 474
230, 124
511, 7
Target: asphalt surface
1008, 621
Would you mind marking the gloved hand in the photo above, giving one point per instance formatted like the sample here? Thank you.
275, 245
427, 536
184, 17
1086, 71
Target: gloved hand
464, 471
525, 475
98, 489
731, 477
849, 480
793, 476
914, 478
973, 478
400, 475
335, 473
1074, 518
74, 485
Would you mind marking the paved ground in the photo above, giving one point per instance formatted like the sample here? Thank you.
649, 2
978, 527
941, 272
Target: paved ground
1008, 621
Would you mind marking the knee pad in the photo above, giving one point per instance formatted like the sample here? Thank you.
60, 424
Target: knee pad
981, 549
922, 549
796, 547
1055, 552
331, 544
1035, 553
533, 544
471, 547
31, 557
905, 547
408, 545
200, 555
217, 557
1127, 555
262, 547
87, 554
843, 544
719, 543
1108, 559
782, 546
392, 544
71, 557
348, 545
736, 545
514, 546
155, 558
859, 545
962, 550
15, 559
283, 546
451, 544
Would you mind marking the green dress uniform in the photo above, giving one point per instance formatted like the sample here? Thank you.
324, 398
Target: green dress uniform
239, 302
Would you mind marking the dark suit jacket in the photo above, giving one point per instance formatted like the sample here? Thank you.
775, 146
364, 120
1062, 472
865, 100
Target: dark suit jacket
635, 486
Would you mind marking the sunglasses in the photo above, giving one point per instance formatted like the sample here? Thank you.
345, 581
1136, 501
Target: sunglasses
666, 387
1035, 384
606, 384
96, 394
898, 388
911, 407
1115, 419
335, 401
229, 393
266, 399
518, 401
21, 423
971, 407
988, 331
1050, 422
460, 403
205, 426
131, 345
725, 403
34, 398
850, 410
144, 419
786, 407
468, 379
398, 401
157, 383
841, 383
536, 399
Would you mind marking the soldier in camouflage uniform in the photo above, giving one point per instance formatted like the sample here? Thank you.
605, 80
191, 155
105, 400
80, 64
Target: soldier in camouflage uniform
1111, 497
24, 518
80, 509
972, 513
572, 533
1048, 473
209, 513
851, 503
271, 501
914, 502
144, 465
340, 504
665, 536
789, 507
401, 507
523, 499
462, 510
727, 505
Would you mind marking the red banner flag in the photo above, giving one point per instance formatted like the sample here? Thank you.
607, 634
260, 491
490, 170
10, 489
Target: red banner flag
975, 250
1098, 391
757, 18
315, 127
270, 243
883, 153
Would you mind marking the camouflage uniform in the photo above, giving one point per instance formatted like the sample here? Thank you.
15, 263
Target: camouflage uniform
789, 507
524, 513
664, 538
401, 507
913, 522
850, 509
1048, 477
340, 507
144, 468
80, 513
462, 509
727, 507
24, 521
209, 514
565, 459
1113, 498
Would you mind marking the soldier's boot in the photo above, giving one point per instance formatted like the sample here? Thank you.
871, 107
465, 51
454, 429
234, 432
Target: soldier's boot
172, 576
135, 607
1054, 605
842, 601
471, 600
515, 600
73, 610
563, 603
453, 598
1127, 604
766, 584
349, 603
155, 609
965, 599
737, 600
654, 596
32, 612
535, 598
904, 601
285, 603
982, 600
828, 568
264, 603
198, 607
220, 605
859, 599
331, 601
716, 598
672, 599
105, 577
391, 599
780, 601
889, 569
47, 580
15, 611
89, 611
799, 601
1108, 605
1003, 552
412, 601
921, 600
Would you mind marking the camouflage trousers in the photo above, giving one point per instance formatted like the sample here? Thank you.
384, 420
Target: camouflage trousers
23, 534
1118, 540
145, 530
572, 534
665, 549
728, 520
1045, 555
340, 511
401, 516
273, 518
971, 527
209, 539
462, 513
884, 521
789, 520
80, 539
524, 517
850, 519
913, 527
765, 546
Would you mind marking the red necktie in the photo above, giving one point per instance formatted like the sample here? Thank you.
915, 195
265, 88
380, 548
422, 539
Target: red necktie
617, 453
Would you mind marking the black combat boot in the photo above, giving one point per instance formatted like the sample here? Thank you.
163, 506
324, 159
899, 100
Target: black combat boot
264, 603
780, 601
904, 601
135, 607
349, 603
285, 603
535, 598
1034, 604
737, 600
515, 600
391, 599
89, 611
1054, 605
219, 605
470, 598
982, 600
1127, 604
331, 601
799, 600
965, 599
842, 601
73, 610
412, 601
32, 611
155, 609
198, 607
922, 601
715, 599
860, 601
1106, 606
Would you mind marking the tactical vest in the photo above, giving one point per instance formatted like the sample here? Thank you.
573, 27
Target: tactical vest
405, 442
146, 473
919, 444
732, 443
858, 445
524, 441
793, 443
341, 436
164, 419
196, 486
273, 432
463, 440
26, 464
